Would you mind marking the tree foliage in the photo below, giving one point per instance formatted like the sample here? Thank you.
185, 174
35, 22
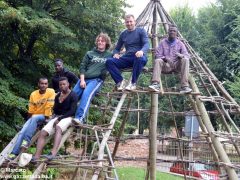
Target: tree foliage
214, 34
34, 33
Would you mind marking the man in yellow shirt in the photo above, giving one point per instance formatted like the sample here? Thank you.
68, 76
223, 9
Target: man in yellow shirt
40, 108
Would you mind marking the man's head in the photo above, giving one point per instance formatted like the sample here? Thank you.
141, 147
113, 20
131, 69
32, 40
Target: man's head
58, 65
63, 84
130, 22
172, 32
42, 84
103, 42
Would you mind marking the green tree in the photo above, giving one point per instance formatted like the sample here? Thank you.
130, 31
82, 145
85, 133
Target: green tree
186, 22
34, 33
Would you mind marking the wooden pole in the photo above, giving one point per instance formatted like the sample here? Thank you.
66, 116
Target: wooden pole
121, 130
203, 128
106, 136
215, 140
154, 110
8, 149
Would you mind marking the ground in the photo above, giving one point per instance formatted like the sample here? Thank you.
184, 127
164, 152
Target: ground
134, 148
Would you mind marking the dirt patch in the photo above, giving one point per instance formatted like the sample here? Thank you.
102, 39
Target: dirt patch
134, 148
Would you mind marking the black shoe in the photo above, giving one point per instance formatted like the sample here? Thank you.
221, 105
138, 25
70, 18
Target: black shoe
50, 156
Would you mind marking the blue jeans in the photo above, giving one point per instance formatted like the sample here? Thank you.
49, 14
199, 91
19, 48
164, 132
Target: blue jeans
85, 95
126, 61
28, 131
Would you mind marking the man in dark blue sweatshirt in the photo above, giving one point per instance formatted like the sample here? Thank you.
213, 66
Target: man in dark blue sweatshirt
135, 41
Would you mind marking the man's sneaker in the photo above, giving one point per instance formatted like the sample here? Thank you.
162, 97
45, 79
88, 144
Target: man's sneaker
77, 121
121, 85
154, 87
131, 87
185, 90
25, 144
11, 157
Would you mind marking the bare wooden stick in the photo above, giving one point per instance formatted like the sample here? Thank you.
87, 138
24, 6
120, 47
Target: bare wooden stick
107, 134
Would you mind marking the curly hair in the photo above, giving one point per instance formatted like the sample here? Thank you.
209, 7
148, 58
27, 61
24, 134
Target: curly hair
106, 38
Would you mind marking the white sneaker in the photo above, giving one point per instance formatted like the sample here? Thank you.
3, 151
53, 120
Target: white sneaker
154, 87
77, 121
185, 90
121, 85
131, 87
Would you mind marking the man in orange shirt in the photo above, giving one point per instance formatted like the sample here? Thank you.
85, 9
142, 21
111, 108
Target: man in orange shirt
40, 108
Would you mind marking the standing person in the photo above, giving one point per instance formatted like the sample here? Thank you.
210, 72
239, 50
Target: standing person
92, 73
171, 56
40, 109
64, 108
62, 72
135, 41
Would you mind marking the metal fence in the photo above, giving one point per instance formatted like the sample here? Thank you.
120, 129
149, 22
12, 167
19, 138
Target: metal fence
193, 158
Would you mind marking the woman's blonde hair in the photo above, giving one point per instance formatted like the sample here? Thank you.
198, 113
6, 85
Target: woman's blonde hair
106, 38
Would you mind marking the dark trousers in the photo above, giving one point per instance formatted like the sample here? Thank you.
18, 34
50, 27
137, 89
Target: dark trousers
126, 61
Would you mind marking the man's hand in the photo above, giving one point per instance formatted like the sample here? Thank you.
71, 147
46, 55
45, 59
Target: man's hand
180, 55
117, 56
166, 59
83, 84
139, 54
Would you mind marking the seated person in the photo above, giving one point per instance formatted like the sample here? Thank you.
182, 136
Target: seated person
64, 108
62, 72
40, 108
171, 56
92, 73
135, 41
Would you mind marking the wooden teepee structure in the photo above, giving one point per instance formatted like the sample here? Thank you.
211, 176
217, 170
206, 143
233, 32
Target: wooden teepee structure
154, 16
206, 88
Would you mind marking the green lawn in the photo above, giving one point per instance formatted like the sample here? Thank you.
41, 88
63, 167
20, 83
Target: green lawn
132, 173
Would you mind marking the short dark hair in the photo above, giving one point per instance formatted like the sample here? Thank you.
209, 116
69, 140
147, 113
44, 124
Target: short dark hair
58, 60
42, 78
63, 79
173, 26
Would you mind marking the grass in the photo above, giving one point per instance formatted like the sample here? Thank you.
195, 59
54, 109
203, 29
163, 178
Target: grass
124, 173
132, 173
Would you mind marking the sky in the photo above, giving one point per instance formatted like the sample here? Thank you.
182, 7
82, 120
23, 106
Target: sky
139, 5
